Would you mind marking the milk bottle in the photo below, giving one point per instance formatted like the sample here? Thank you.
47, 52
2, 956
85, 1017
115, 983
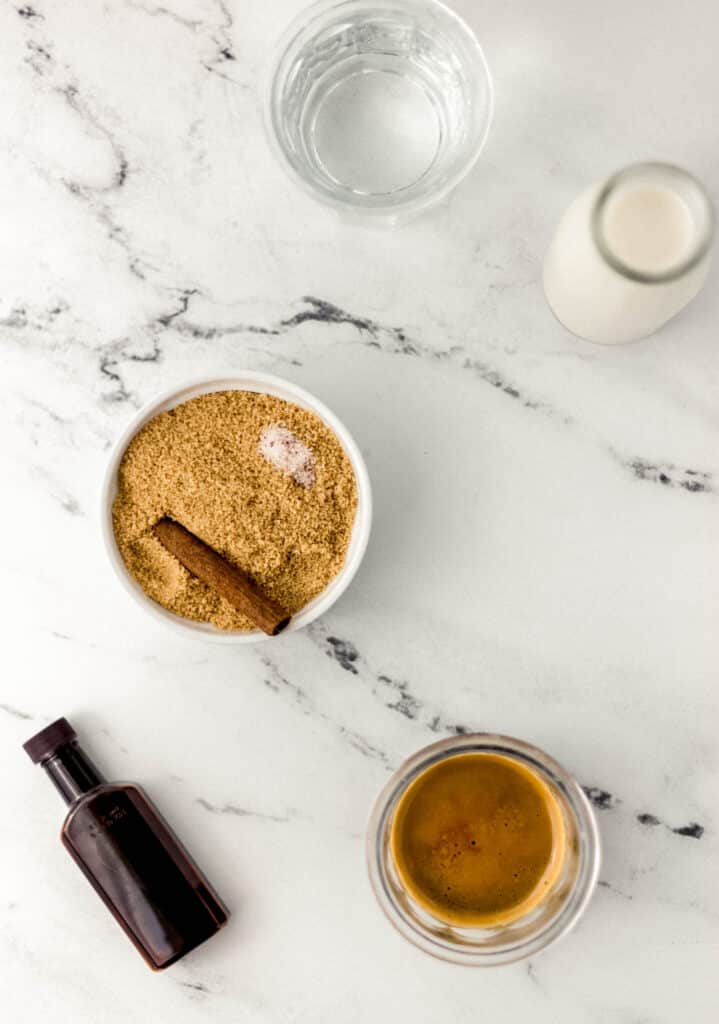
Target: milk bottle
629, 253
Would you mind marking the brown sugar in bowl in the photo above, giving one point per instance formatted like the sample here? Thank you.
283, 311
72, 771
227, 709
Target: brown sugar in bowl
264, 384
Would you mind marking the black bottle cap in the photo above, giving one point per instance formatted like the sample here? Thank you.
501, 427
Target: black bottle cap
45, 743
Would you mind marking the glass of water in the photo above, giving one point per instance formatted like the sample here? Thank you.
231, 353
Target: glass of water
379, 106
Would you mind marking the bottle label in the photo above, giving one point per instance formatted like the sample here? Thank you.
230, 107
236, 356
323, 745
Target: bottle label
106, 820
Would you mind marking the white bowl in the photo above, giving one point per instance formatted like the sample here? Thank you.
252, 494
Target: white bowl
264, 383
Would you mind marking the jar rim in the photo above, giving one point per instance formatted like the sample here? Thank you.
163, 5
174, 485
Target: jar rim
640, 171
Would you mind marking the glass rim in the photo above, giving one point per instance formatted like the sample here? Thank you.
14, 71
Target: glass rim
577, 898
380, 205
621, 177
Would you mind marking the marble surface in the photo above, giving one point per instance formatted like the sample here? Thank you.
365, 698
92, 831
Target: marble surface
543, 560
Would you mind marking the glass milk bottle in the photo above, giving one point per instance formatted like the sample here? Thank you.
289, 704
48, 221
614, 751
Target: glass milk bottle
629, 253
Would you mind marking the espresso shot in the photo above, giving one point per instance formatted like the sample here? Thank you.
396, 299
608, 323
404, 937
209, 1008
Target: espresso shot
478, 840
482, 850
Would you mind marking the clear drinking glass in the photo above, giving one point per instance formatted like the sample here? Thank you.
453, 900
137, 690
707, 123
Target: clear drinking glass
379, 106
559, 910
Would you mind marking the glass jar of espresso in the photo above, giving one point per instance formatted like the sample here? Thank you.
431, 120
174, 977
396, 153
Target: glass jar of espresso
482, 850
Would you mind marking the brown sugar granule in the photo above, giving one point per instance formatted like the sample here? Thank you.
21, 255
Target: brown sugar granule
201, 464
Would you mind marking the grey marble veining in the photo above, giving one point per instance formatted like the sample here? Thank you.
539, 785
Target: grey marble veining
543, 560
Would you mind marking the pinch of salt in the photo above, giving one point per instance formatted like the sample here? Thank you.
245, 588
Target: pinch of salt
282, 449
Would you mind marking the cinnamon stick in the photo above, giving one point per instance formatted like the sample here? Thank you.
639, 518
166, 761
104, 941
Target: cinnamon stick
226, 579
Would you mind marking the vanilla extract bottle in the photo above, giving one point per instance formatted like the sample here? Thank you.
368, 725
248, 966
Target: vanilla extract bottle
128, 853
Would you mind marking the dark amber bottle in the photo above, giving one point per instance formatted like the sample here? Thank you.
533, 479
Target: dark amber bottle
129, 853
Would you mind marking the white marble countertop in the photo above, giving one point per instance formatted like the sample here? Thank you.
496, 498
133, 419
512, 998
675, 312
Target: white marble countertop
543, 561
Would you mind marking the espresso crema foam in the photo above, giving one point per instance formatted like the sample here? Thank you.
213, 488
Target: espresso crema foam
478, 840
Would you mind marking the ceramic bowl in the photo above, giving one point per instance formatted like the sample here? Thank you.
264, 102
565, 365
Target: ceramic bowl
265, 384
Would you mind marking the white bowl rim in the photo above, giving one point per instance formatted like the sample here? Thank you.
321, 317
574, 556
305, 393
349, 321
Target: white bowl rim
264, 383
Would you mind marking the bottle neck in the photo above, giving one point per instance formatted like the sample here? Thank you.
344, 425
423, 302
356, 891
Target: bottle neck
72, 772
